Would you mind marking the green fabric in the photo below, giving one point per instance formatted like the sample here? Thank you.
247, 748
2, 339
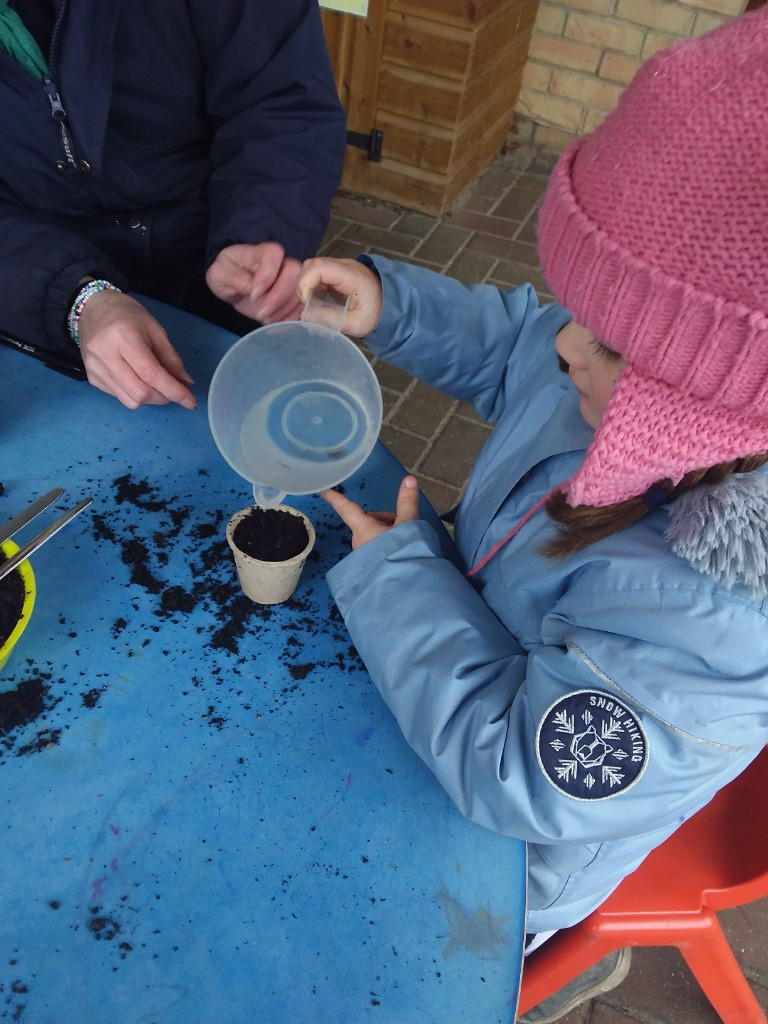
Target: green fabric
19, 43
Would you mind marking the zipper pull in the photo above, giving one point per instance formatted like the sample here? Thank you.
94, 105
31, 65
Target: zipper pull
58, 113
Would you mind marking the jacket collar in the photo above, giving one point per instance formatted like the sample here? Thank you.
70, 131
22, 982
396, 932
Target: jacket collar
562, 432
722, 531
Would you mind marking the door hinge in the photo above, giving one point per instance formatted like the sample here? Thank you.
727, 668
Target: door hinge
370, 143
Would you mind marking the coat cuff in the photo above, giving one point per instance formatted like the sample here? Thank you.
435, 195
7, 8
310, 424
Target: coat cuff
414, 539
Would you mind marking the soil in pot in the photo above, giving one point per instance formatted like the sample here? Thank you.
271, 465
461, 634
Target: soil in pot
11, 602
271, 534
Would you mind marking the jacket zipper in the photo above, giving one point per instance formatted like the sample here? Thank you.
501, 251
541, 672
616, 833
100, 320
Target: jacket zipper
58, 113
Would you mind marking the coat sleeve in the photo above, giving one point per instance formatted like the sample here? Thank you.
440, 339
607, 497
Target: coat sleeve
278, 126
475, 343
505, 728
41, 264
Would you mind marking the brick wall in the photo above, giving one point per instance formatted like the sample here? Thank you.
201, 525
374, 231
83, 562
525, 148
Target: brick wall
584, 52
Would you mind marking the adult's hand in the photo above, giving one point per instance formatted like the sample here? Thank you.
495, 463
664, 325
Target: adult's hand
347, 277
127, 353
258, 280
366, 526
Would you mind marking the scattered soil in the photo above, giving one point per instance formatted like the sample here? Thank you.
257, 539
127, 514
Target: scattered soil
22, 705
35, 715
11, 602
271, 534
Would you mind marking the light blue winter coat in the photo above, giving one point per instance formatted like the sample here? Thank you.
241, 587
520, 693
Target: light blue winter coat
589, 705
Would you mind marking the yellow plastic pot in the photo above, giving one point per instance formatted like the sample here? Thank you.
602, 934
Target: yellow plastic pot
28, 579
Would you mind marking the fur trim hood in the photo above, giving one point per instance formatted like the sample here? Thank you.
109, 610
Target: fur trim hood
722, 530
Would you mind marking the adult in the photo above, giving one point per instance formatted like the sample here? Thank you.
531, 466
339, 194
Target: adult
186, 150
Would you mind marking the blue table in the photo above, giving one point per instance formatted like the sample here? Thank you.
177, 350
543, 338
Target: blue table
209, 816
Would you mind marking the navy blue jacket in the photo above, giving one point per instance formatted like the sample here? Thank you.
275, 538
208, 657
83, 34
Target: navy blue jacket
167, 131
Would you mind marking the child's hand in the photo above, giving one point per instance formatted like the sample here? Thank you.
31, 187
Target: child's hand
348, 277
366, 526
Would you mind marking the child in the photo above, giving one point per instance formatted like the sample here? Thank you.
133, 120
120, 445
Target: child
600, 669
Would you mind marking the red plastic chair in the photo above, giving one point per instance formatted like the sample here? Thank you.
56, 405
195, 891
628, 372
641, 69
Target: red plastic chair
717, 859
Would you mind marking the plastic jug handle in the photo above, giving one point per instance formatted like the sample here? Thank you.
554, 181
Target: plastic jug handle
326, 307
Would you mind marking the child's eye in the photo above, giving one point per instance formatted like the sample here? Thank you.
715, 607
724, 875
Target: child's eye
604, 352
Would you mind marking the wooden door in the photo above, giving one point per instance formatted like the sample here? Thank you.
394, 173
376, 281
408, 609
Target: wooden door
355, 46
430, 88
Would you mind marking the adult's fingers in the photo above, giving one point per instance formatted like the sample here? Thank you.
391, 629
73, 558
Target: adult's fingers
167, 355
243, 273
265, 262
131, 371
157, 387
151, 373
281, 300
110, 382
228, 279
127, 353
150, 369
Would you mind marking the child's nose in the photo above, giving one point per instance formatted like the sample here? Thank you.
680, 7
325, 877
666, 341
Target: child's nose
568, 352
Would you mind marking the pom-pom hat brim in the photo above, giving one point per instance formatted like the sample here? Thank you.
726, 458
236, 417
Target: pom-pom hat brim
695, 340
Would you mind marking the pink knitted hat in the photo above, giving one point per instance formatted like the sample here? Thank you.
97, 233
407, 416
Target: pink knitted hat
654, 235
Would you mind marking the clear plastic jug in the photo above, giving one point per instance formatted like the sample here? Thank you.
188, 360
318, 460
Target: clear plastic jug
294, 407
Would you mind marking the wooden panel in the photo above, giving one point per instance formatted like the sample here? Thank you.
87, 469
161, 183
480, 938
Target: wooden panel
427, 46
361, 88
481, 138
440, 79
442, 50
412, 142
364, 74
495, 78
420, 96
407, 186
485, 150
455, 12
421, 188
339, 34
502, 32
334, 25
441, 151
445, 101
426, 171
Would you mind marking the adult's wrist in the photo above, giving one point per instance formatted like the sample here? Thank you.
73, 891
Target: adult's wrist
80, 301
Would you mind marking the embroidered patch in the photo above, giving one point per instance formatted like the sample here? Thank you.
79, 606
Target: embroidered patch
590, 745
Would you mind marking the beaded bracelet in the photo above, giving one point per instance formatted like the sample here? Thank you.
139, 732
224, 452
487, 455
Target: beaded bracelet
76, 309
